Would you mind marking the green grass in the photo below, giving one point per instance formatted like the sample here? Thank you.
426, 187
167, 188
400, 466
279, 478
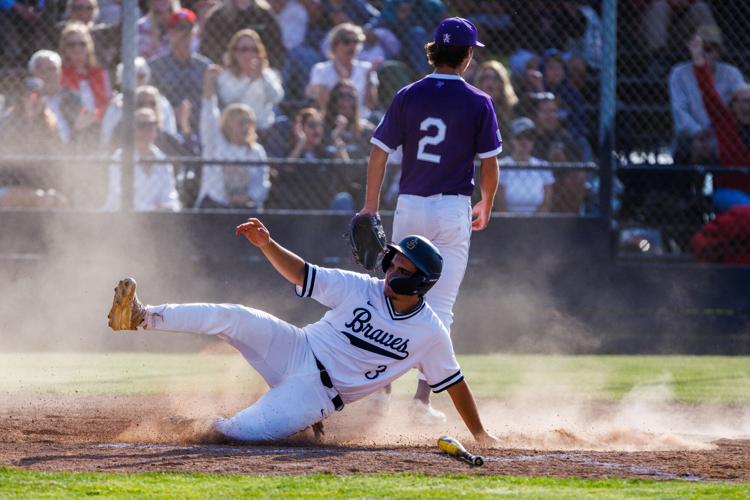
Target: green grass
26, 484
690, 379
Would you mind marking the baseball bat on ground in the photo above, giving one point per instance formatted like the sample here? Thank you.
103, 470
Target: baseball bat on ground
454, 448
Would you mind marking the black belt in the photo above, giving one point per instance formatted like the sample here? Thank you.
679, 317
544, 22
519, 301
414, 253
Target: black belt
450, 194
325, 379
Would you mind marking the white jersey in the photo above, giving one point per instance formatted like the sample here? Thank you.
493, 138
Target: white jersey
365, 344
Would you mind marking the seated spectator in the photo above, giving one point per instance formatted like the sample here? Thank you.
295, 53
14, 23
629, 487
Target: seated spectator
179, 74
292, 182
142, 77
524, 191
25, 27
230, 136
81, 71
526, 78
541, 24
669, 24
81, 11
692, 126
29, 129
555, 80
493, 78
555, 143
345, 42
249, 80
732, 125
235, 15
347, 136
292, 19
154, 186
153, 28
412, 22
64, 103
146, 96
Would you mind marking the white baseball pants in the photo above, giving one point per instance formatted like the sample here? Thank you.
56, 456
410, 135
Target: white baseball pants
279, 351
446, 221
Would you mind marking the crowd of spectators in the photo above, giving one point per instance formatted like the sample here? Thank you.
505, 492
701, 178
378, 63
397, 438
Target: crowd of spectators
245, 80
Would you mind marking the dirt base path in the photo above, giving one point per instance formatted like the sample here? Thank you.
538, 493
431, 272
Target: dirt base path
127, 434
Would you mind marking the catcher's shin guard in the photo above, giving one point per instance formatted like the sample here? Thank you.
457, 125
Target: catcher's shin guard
127, 313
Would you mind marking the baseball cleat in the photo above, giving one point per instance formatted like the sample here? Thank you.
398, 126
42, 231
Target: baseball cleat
127, 312
424, 414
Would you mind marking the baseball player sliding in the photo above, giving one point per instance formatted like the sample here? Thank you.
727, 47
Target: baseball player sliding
442, 123
375, 331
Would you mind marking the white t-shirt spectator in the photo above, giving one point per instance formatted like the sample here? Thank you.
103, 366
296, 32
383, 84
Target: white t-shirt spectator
293, 21
524, 189
261, 94
324, 73
154, 186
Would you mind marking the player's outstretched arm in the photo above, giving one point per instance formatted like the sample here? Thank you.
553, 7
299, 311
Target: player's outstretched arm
488, 177
375, 174
287, 263
466, 405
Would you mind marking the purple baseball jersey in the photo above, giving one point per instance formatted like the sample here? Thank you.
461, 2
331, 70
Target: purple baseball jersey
442, 122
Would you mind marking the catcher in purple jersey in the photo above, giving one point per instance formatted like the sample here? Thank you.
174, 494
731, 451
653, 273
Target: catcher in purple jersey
441, 123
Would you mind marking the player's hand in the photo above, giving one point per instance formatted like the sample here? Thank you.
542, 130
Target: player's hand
487, 440
480, 216
255, 232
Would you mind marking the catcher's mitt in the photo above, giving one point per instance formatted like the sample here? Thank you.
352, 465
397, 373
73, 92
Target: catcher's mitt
367, 238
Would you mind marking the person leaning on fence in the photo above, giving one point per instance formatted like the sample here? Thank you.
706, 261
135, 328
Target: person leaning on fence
248, 79
692, 125
344, 43
65, 104
524, 191
232, 16
179, 73
732, 125
29, 130
230, 135
154, 185
570, 185
493, 78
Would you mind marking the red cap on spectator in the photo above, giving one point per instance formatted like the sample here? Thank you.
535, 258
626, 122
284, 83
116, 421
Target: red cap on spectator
182, 15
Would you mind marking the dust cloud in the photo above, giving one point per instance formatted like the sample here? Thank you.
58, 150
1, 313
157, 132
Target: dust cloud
540, 414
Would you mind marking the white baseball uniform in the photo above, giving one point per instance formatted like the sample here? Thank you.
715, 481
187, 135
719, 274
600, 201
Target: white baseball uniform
362, 344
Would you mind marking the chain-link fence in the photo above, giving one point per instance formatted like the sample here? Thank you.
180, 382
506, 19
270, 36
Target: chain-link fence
252, 104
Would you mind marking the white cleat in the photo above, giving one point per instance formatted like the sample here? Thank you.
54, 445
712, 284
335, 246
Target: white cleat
379, 403
424, 414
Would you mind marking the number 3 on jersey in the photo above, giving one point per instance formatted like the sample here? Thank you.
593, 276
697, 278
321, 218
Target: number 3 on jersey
431, 140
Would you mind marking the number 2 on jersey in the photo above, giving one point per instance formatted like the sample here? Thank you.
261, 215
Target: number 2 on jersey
431, 140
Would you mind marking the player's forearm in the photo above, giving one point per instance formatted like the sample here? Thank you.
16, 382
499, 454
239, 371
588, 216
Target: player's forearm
466, 405
287, 263
375, 175
489, 176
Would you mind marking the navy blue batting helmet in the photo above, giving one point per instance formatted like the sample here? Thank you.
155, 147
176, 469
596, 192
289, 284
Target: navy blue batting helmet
426, 258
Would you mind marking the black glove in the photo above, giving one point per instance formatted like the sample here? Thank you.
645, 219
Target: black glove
367, 238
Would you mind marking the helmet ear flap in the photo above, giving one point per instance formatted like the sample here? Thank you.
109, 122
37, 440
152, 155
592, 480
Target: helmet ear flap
390, 253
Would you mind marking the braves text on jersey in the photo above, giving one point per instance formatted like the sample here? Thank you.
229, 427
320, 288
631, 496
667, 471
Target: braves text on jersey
442, 122
365, 344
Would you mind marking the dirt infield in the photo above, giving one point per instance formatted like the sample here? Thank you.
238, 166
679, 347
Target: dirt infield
127, 434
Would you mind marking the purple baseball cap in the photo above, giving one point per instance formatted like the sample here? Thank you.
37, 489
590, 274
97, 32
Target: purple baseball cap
457, 31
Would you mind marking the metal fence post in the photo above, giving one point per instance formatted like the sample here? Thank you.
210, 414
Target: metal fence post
127, 87
607, 108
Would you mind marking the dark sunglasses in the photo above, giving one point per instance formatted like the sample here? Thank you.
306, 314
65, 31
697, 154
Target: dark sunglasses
75, 44
145, 125
348, 41
712, 48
